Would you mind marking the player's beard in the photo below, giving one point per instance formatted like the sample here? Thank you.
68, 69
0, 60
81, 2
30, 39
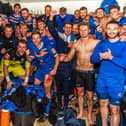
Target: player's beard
112, 37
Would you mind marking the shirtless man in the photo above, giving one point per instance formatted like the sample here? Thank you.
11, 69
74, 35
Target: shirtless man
83, 48
101, 21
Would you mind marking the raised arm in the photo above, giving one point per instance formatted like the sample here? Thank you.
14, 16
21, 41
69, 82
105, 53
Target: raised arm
51, 27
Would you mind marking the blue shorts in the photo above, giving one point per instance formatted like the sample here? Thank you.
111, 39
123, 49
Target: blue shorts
42, 71
111, 88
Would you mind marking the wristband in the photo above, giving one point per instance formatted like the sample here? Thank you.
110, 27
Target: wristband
26, 79
7, 78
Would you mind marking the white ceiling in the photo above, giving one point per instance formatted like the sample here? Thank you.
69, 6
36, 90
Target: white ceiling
29, 1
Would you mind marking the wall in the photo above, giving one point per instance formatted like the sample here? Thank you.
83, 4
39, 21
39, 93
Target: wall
71, 5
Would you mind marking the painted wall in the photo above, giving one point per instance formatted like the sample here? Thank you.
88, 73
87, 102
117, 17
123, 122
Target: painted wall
71, 5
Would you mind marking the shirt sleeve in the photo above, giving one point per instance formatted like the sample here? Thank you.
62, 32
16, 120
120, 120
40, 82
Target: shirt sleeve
6, 62
121, 60
27, 64
52, 51
32, 55
95, 58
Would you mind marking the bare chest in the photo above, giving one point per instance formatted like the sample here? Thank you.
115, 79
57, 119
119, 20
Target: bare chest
84, 49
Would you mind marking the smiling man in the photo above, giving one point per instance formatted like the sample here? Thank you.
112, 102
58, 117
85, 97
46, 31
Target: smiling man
14, 62
110, 84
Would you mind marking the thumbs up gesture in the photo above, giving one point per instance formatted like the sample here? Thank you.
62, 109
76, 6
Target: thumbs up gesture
106, 55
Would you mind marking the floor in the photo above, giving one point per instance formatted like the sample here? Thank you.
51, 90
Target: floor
74, 105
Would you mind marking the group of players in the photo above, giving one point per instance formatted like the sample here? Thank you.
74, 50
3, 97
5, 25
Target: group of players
63, 49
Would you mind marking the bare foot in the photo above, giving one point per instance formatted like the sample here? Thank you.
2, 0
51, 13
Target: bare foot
79, 116
90, 122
